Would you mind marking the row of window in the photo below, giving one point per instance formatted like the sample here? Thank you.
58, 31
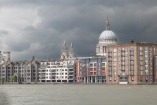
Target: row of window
59, 73
115, 78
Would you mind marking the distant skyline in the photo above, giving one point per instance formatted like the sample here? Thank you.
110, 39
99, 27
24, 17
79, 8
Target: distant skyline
39, 27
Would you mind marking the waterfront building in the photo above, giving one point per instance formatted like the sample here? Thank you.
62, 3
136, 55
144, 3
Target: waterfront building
131, 63
59, 71
90, 70
24, 71
107, 37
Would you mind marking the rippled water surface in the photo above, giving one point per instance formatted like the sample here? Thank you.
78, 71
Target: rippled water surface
78, 94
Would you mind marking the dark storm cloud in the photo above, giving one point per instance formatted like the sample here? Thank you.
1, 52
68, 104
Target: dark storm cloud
41, 26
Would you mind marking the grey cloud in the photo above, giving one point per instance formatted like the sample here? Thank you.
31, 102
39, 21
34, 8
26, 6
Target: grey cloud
28, 28
81, 22
3, 32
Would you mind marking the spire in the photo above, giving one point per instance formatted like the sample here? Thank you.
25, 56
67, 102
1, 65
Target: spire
71, 45
107, 24
64, 51
64, 47
71, 51
64, 44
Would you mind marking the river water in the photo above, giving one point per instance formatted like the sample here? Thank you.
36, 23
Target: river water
78, 94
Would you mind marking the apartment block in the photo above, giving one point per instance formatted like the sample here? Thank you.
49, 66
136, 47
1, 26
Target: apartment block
131, 63
91, 70
57, 71
25, 71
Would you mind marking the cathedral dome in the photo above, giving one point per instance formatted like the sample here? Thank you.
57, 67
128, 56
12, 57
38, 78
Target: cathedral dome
107, 38
108, 35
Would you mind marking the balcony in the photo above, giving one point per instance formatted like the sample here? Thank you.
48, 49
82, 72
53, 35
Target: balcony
131, 73
131, 54
70, 73
110, 60
110, 73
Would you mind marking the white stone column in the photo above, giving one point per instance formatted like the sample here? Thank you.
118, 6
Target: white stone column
84, 79
95, 79
87, 79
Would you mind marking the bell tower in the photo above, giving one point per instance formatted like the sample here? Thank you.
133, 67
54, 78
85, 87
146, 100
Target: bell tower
71, 51
64, 51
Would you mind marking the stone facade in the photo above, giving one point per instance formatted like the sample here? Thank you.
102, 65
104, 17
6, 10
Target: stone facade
131, 63
25, 71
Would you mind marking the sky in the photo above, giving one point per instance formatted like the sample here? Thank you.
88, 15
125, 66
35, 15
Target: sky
39, 27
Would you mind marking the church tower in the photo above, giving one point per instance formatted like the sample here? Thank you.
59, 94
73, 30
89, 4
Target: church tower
64, 52
71, 51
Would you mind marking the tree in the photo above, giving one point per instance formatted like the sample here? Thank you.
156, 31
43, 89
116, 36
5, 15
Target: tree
0, 80
14, 78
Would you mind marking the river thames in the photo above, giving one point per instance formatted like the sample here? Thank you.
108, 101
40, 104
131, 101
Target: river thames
78, 94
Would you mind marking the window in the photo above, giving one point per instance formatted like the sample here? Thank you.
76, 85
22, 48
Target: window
141, 72
115, 64
146, 56
141, 67
123, 49
123, 53
132, 62
146, 78
146, 48
103, 64
141, 58
146, 52
140, 48
132, 78
110, 78
115, 78
123, 68
123, 58
91, 65
146, 72
131, 67
146, 67
141, 53
103, 68
123, 63
141, 62
115, 50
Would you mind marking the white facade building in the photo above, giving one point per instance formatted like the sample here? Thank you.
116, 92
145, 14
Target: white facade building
57, 71
106, 38
61, 71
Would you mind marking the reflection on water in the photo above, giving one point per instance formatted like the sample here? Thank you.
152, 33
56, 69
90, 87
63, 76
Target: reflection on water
78, 94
